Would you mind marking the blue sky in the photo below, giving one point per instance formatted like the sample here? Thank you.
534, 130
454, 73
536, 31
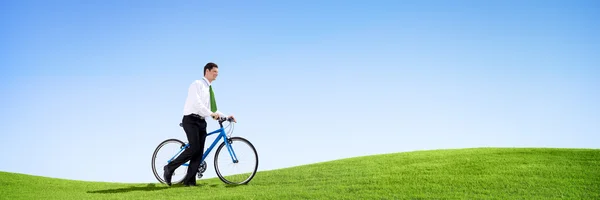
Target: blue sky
89, 89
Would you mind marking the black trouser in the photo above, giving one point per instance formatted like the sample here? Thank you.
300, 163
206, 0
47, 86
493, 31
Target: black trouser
195, 129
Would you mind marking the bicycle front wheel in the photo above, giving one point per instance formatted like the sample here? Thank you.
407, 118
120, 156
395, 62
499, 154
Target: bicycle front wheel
236, 162
165, 153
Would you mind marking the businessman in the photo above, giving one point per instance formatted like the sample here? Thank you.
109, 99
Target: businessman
199, 105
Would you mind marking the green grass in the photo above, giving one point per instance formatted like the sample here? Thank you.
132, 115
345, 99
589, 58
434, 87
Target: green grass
478, 173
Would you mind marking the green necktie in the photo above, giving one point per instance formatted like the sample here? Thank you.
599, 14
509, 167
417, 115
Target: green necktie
213, 103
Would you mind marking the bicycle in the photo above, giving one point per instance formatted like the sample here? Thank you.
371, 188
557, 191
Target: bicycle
228, 142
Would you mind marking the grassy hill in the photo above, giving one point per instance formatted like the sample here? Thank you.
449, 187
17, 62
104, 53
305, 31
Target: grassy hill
478, 173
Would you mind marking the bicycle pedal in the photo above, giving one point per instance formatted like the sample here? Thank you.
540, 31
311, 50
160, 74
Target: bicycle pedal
199, 176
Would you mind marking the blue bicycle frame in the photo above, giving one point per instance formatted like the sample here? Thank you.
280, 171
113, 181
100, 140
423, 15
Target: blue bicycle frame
222, 134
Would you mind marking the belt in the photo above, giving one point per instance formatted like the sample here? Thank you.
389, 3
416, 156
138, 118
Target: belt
195, 115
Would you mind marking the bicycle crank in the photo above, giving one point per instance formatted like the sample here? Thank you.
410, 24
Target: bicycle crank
201, 169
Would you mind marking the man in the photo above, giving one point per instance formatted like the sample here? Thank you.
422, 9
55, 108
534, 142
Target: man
199, 105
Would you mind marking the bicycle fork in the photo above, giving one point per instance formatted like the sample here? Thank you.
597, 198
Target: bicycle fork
231, 152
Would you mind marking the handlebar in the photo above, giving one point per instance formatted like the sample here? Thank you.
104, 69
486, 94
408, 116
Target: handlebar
223, 119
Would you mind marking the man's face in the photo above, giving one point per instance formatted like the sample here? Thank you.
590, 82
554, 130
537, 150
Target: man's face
212, 74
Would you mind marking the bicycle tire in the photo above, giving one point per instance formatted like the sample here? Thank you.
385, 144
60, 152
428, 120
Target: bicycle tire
233, 139
159, 176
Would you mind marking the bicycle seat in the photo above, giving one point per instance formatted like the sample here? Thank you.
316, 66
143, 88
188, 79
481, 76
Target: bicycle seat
181, 124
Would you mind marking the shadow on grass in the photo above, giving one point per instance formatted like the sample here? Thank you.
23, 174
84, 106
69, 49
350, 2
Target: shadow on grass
234, 185
149, 187
152, 187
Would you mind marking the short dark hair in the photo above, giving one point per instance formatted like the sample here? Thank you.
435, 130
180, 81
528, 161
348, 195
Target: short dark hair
209, 66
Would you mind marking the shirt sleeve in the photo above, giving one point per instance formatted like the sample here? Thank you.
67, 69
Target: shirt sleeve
198, 105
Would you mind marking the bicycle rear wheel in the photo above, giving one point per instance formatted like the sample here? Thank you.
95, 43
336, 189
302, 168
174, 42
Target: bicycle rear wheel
238, 164
167, 151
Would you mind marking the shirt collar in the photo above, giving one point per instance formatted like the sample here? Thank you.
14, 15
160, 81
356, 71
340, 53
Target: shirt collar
206, 81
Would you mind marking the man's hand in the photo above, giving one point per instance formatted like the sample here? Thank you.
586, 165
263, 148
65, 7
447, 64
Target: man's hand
232, 118
215, 116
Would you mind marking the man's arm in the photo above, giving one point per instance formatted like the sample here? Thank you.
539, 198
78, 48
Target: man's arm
220, 113
198, 93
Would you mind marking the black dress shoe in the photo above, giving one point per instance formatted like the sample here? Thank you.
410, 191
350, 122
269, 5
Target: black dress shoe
167, 175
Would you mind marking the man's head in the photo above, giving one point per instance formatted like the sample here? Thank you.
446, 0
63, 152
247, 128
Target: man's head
211, 71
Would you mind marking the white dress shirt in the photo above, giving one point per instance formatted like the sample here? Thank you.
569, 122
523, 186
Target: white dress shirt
198, 99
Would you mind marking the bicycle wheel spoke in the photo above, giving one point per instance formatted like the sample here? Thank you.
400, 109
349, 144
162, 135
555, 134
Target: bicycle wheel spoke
242, 171
167, 150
